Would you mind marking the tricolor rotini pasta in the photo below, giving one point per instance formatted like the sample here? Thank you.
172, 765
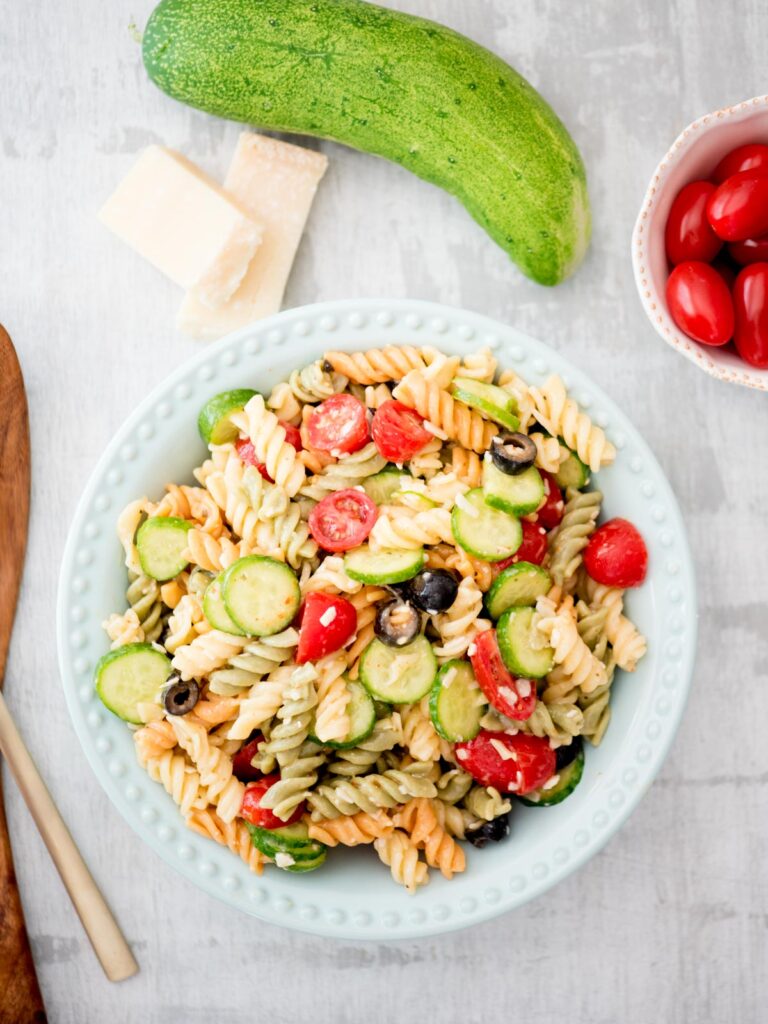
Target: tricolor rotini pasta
373, 601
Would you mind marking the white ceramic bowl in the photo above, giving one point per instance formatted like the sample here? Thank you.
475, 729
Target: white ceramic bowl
353, 895
694, 155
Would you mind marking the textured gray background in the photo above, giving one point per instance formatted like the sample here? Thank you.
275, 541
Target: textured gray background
670, 921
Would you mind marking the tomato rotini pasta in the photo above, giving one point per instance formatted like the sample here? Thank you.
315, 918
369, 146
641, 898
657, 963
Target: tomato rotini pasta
384, 614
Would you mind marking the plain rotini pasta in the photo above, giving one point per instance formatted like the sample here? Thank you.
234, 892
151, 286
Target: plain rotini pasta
457, 421
561, 416
378, 365
262, 703
124, 628
419, 736
480, 365
263, 430
557, 626
333, 696
444, 556
486, 803
402, 857
179, 779
213, 553
365, 602
207, 652
418, 818
347, 471
458, 627
629, 645
233, 834
401, 527
213, 765
351, 830
467, 465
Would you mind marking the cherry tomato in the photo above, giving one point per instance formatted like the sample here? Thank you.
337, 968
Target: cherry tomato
725, 270
533, 549
247, 452
700, 303
752, 157
688, 234
398, 432
751, 250
242, 768
533, 761
515, 698
750, 297
253, 812
327, 623
551, 512
338, 425
342, 520
738, 209
616, 555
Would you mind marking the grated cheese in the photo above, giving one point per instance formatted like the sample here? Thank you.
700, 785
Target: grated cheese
284, 860
472, 649
551, 783
503, 751
432, 429
449, 676
328, 616
467, 506
524, 687
462, 754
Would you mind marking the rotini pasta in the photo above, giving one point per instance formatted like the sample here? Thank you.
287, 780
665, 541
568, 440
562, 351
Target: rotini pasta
458, 422
263, 430
378, 365
561, 416
572, 535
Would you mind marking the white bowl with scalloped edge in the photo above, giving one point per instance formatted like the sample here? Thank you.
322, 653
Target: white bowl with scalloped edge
352, 896
694, 155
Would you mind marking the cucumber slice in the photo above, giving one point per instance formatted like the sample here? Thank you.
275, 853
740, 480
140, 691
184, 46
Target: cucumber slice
398, 675
496, 403
261, 595
381, 486
129, 676
161, 541
514, 633
568, 779
362, 718
215, 610
414, 500
483, 531
572, 471
290, 840
301, 866
518, 495
368, 566
520, 584
456, 703
214, 423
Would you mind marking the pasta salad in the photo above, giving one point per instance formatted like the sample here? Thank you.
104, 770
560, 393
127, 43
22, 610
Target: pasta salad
383, 613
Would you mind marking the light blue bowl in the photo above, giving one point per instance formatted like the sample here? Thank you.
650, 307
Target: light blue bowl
353, 895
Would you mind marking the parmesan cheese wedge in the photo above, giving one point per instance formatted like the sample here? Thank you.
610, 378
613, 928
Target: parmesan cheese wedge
275, 184
184, 224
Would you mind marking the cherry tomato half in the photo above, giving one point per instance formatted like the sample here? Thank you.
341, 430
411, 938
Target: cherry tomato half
738, 209
533, 549
515, 698
338, 425
398, 432
342, 520
752, 157
260, 816
688, 234
750, 297
551, 512
616, 555
327, 623
247, 452
533, 761
700, 303
751, 250
242, 768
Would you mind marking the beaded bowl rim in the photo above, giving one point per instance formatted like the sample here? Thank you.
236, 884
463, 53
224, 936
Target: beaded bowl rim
388, 913
724, 366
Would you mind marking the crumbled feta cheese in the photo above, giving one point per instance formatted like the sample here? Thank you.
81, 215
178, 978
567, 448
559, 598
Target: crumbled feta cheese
503, 751
284, 860
573, 713
551, 783
467, 506
533, 797
328, 616
508, 694
462, 754
524, 688
449, 676
472, 649
432, 429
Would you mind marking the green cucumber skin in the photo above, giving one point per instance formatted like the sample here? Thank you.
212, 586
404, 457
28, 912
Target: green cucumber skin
398, 86
555, 796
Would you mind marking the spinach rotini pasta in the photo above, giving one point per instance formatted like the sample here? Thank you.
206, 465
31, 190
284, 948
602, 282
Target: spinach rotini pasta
382, 616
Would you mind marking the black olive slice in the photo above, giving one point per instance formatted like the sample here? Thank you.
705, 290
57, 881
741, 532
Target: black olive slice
397, 623
490, 832
513, 453
180, 698
433, 590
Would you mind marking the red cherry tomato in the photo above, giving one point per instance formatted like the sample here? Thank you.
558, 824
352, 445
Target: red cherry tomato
738, 209
750, 297
242, 768
532, 762
327, 622
398, 432
342, 520
338, 425
616, 555
700, 303
247, 452
551, 512
515, 698
751, 250
253, 812
688, 234
725, 270
533, 549
752, 157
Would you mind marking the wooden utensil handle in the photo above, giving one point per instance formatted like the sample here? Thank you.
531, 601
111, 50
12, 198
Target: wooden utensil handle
22, 1001
102, 929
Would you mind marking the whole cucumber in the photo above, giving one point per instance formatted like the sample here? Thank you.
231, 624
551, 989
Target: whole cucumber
394, 85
